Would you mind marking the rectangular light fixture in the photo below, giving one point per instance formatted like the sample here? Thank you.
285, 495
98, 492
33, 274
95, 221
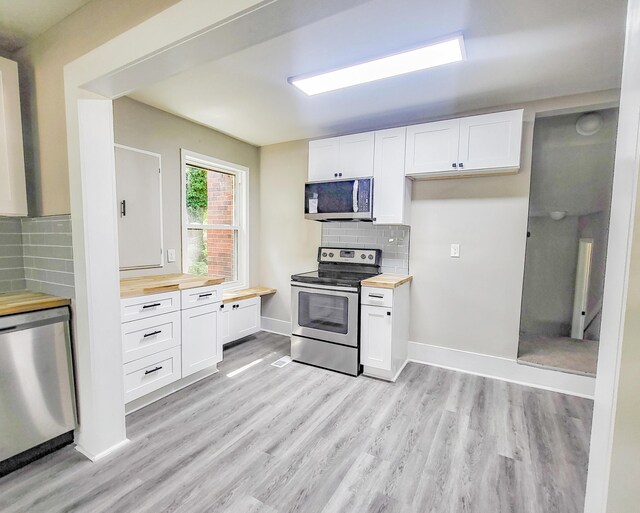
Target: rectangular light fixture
429, 56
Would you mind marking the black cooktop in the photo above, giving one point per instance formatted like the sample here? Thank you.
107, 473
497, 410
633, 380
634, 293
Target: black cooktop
339, 278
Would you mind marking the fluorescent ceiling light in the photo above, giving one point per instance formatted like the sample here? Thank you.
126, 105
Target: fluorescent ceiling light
429, 56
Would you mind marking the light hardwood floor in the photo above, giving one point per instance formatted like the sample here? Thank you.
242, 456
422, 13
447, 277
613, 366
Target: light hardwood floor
309, 440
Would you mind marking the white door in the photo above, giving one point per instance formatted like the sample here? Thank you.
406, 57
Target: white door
388, 176
356, 155
376, 326
433, 147
138, 192
246, 317
323, 159
491, 141
226, 329
200, 348
13, 192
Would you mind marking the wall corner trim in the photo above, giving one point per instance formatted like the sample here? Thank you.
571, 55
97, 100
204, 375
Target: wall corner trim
503, 369
103, 454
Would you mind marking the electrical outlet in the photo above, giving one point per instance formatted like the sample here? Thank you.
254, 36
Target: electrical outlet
455, 251
171, 255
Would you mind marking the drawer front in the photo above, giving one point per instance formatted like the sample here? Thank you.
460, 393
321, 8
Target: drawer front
149, 336
201, 296
142, 307
150, 373
376, 296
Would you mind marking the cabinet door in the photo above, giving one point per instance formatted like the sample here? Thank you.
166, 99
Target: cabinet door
225, 332
323, 159
200, 348
433, 147
491, 141
246, 317
388, 177
13, 192
376, 326
356, 155
138, 192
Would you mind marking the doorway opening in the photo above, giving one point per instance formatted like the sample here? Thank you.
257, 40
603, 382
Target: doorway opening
569, 210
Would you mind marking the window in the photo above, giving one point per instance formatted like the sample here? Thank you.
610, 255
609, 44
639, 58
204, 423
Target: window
214, 214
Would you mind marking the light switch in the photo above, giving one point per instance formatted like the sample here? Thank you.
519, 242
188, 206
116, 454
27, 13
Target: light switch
455, 251
171, 255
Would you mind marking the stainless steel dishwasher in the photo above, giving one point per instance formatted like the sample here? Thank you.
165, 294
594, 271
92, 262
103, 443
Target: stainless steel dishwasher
37, 398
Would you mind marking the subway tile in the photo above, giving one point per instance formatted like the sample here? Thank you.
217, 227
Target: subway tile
18, 284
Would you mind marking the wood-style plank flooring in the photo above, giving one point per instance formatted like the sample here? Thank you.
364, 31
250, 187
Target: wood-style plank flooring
309, 440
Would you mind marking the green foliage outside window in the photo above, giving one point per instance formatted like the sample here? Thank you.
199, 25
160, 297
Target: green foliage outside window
197, 203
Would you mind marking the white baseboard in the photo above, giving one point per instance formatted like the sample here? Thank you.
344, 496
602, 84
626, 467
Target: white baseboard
275, 326
502, 368
103, 454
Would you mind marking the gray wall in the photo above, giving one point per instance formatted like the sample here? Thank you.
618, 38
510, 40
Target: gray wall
392, 240
11, 263
144, 127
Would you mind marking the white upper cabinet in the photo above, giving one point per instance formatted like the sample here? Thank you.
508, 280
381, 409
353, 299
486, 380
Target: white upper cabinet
489, 143
349, 156
13, 192
433, 147
391, 189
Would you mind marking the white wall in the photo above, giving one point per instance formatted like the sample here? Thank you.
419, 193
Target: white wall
288, 242
147, 128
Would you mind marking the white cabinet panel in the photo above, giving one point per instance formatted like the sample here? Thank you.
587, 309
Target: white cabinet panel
141, 307
433, 147
323, 159
376, 337
247, 317
356, 155
147, 374
201, 296
13, 192
139, 196
200, 346
225, 332
491, 141
148, 336
391, 189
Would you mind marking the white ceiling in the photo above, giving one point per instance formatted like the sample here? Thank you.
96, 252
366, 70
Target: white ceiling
24, 20
516, 51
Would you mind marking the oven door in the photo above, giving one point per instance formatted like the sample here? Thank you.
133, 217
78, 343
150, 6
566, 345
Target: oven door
325, 313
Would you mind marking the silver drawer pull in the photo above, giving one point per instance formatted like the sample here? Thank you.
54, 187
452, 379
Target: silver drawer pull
152, 370
377, 296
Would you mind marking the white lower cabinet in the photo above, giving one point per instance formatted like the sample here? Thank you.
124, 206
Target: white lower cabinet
384, 335
201, 347
150, 373
239, 319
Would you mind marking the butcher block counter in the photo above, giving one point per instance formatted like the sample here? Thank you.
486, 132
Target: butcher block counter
27, 301
387, 281
144, 285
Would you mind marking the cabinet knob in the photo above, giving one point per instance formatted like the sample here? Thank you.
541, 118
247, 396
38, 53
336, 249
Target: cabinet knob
389, 314
335, 175
339, 174
461, 165
454, 165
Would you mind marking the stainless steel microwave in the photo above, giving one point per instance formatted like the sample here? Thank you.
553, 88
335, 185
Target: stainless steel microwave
339, 200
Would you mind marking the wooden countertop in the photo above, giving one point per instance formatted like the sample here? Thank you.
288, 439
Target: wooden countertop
143, 285
27, 301
387, 281
237, 295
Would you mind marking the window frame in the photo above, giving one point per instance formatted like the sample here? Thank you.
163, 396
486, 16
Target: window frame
241, 206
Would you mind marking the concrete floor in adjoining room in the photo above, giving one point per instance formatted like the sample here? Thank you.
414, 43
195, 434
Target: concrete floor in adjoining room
305, 439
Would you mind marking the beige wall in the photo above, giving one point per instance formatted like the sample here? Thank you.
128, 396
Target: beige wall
147, 128
288, 242
42, 86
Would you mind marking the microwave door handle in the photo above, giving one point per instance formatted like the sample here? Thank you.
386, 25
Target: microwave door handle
355, 195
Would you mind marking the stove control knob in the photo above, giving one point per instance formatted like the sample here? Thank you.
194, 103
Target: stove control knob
324, 254
330, 255
363, 256
370, 257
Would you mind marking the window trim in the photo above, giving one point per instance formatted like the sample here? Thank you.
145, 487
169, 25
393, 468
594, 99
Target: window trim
242, 209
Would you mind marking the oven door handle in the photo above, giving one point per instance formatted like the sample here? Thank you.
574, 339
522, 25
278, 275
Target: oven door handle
323, 287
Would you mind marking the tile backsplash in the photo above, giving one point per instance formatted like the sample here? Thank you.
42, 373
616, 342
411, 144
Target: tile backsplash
11, 260
393, 240
48, 255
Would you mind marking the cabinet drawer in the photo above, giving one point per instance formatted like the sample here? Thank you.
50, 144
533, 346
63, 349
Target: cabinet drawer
376, 296
201, 296
141, 307
149, 336
150, 373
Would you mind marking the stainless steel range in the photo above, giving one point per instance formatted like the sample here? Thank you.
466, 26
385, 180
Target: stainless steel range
325, 308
